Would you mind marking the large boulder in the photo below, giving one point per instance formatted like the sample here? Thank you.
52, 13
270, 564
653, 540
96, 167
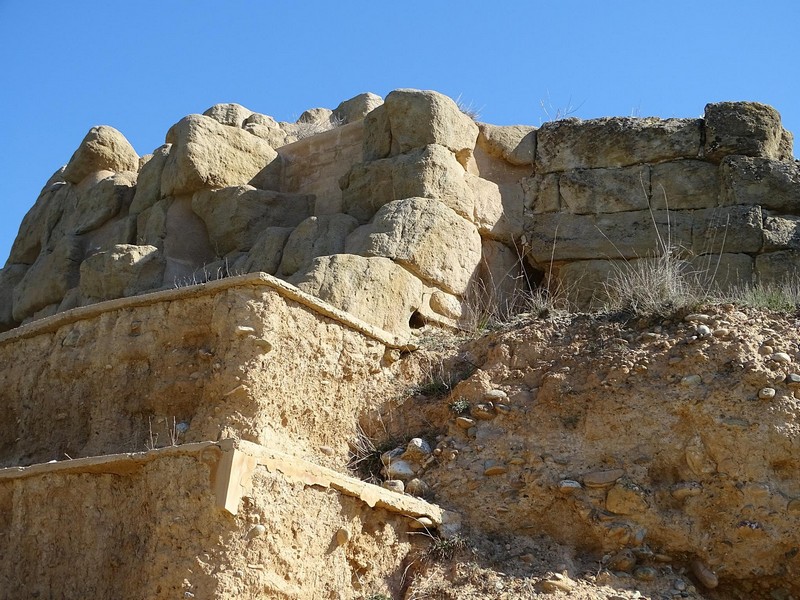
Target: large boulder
375, 290
267, 251
595, 191
276, 135
125, 270
777, 268
356, 108
684, 184
775, 185
316, 236
781, 232
39, 221
47, 281
207, 154
151, 224
554, 237
229, 113
411, 119
727, 229
743, 128
615, 142
636, 234
100, 197
426, 237
497, 215
187, 247
148, 184
10, 276
428, 172
235, 216
515, 144
103, 149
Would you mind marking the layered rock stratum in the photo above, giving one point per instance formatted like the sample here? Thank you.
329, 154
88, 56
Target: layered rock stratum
238, 367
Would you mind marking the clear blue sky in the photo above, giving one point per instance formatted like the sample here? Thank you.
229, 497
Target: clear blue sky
141, 66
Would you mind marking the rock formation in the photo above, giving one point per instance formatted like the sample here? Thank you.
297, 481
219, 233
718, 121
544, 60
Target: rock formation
246, 304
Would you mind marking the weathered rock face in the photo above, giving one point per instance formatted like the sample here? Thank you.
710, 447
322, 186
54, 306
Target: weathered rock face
125, 270
207, 154
744, 128
103, 149
218, 198
615, 142
426, 237
374, 289
229, 114
412, 119
235, 216
515, 144
316, 236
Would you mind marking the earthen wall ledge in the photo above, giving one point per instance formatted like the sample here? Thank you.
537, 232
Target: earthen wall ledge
286, 290
233, 474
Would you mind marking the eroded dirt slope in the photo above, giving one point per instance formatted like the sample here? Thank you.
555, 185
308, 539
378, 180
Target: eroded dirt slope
604, 456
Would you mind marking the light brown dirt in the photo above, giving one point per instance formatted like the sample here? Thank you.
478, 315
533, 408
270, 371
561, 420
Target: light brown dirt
699, 467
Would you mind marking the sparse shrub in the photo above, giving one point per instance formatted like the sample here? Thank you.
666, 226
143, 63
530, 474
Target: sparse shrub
468, 109
517, 297
779, 297
365, 457
655, 286
445, 548
459, 406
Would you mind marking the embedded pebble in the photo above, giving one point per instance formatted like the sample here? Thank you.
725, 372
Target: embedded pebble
691, 380
244, 330
256, 531
265, 345
686, 489
465, 422
417, 487
793, 380
703, 330
765, 350
495, 396
569, 486
417, 450
342, 536
624, 560
782, 358
422, 523
704, 574
394, 485
495, 469
502, 409
794, 506
557, 583
602, 478
766, 393
644, 573
390, 456
399, 469
697, 317
484, 412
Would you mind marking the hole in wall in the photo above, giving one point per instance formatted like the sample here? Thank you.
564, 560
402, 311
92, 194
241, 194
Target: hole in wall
416, 321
